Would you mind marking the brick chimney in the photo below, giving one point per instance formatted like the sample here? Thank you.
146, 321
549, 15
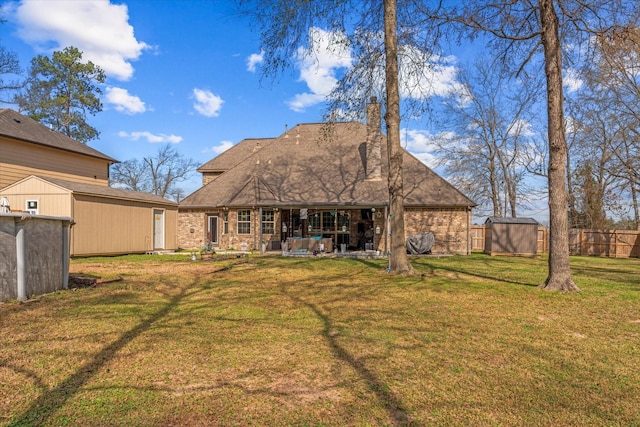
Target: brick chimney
374, 136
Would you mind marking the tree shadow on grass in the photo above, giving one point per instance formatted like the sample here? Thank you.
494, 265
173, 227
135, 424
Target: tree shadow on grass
462, 271
51, 400
398, 414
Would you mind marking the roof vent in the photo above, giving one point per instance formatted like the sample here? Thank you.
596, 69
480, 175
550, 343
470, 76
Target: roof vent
17, 120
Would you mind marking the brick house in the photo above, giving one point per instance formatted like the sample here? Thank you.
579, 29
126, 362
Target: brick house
321, 181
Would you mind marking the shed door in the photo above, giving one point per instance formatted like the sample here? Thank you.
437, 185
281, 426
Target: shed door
158, 229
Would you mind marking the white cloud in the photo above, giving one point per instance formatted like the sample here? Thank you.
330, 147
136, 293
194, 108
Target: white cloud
571, 80
207, 103
523, 128
421, 76
150, 137
220, 148
123, 101
318, 65
99, 29
421, 144
254, 60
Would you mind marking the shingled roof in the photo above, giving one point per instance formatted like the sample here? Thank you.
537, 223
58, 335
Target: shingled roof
315, 164
235, 155
101, 191
15, 125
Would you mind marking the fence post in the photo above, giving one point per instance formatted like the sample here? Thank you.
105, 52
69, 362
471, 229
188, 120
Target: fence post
66, 225
21, 261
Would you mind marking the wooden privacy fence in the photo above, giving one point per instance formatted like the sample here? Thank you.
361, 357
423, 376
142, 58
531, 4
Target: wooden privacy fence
606, 243
614, 244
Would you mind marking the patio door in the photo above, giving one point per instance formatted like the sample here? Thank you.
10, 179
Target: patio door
212, 230
158, 229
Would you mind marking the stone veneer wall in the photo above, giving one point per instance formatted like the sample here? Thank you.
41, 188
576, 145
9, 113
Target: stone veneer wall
450, 227
208, 177
192, 229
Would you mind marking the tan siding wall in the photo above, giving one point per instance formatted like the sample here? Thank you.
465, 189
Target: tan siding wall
170, 228
450, 227
19, 160
52, 200
107, 226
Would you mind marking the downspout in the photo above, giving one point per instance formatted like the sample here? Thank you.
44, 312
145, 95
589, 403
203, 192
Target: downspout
260, 228
21, 261
386, 226
468, 231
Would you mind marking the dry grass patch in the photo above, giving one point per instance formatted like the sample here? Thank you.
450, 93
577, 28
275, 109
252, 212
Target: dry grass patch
286, 341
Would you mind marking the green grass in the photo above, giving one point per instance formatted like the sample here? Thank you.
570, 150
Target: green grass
326, 342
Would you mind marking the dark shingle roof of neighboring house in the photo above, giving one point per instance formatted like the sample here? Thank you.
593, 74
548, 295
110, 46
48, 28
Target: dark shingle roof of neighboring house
317, 165
104, 191
15, 125
500, 220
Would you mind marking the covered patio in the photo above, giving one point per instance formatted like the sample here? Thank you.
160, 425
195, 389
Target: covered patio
327, 229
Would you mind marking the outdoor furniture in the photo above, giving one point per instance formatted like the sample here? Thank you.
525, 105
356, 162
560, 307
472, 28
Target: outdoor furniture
310, 244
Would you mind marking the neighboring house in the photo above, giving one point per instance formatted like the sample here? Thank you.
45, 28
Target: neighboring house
323, 180
29, 148
47, 173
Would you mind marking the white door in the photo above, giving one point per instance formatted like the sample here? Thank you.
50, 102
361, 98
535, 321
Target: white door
158, 229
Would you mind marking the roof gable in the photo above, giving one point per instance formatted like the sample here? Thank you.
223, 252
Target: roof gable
96, 190
16, 126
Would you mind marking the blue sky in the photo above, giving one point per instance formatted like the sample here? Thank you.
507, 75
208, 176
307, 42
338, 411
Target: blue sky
185, 73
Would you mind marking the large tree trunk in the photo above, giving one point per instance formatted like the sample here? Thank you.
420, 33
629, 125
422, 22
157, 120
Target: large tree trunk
399, 262
559, 278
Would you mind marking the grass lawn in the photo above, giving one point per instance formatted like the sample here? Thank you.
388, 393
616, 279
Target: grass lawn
271, 341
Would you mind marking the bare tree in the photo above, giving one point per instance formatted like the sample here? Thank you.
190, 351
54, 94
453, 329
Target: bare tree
594, 182
612, 83
159, 174
9, 65
490, 144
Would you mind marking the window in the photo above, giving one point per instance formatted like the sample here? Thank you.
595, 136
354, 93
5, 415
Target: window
225, 222
268, 222
328, 221
244, 221
314, 222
